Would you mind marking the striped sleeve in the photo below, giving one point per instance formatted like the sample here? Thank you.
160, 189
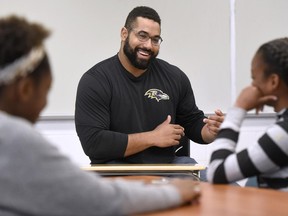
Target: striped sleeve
266, 156
224, 147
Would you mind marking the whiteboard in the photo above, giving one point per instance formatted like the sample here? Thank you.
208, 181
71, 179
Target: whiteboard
196, 39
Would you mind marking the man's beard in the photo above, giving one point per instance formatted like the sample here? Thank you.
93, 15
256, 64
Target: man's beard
132, 56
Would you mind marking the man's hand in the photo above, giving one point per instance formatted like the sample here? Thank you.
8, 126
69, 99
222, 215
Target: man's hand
211, 128
164, 135
167, 134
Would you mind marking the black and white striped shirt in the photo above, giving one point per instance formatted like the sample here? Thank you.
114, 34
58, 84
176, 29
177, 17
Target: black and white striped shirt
267, 158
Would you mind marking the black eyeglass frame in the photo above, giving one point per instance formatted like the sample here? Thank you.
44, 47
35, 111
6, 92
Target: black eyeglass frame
143, 36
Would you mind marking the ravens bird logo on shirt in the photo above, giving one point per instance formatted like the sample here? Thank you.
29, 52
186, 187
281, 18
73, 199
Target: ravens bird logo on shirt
156, 94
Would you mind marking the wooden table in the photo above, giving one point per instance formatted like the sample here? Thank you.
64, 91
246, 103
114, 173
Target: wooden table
229, 200
145, 169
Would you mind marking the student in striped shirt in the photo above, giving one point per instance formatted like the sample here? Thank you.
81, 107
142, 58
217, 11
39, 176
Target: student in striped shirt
268, 157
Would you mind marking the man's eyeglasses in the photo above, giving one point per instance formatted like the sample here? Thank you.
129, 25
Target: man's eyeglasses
144, 37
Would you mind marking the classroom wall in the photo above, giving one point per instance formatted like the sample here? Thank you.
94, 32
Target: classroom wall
211, 41
86, 32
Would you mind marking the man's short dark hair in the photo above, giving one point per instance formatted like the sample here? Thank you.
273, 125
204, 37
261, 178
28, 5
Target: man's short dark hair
141, 11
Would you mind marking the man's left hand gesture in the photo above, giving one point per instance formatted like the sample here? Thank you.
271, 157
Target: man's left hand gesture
212, 125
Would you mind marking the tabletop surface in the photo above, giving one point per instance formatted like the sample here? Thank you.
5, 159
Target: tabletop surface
229, 200
143, 167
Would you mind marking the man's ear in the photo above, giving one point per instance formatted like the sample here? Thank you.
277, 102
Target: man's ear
24, 89
124, 34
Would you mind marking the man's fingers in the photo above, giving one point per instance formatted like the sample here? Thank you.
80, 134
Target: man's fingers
219, 112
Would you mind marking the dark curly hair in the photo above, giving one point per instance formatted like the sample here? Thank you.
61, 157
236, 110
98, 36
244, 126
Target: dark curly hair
275, 56
17, 38
141, 11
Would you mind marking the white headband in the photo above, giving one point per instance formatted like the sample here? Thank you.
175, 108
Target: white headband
22, 66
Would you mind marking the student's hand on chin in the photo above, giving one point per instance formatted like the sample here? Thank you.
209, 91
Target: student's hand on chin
269, 100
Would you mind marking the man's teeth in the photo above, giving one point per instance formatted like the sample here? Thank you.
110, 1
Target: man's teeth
143, 53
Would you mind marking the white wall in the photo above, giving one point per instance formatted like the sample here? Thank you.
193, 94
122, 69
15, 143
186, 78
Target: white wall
62, 133
197, 38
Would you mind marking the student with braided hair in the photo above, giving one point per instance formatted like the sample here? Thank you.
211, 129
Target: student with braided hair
35, 178
267, 159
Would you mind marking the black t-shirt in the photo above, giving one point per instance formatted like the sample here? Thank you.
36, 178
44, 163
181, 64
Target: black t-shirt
111, 103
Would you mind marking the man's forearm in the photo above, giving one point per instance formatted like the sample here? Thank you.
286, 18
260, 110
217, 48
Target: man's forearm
138, 142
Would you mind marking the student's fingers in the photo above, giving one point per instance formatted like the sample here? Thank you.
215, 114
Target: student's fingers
188, 189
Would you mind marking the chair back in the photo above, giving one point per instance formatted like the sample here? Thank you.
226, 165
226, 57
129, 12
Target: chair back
183, 149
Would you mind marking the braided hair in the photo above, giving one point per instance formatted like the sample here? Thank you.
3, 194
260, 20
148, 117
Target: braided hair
275, 56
